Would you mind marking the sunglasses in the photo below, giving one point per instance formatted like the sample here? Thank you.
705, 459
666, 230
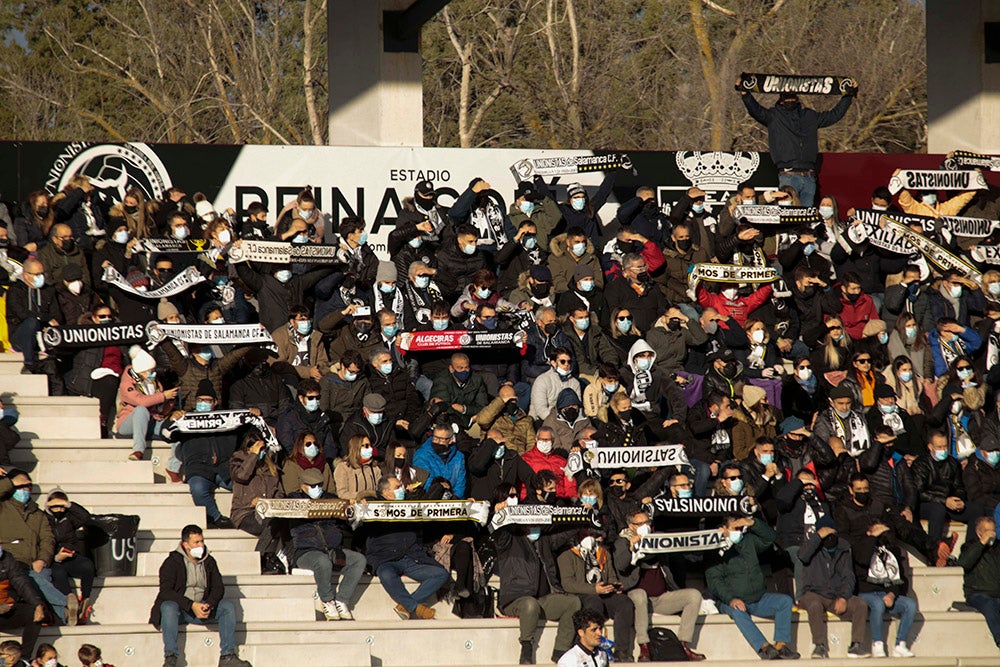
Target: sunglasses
864, 361
734, 477
308, 442
624, 318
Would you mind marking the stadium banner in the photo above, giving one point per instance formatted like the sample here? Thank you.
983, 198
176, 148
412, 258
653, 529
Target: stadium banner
970, 160
92, 335
421, 341
374, 182
208, 334
183, 281
421, 510
793, 83
667, 543
525, 170
714, 506
543, 515
304, 508
879, 237
280, 252
222, 421
656, 456
762, 214
938, 255
936, 179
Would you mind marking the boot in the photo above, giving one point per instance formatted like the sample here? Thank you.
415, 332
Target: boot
644, 653
692, 656
527, 654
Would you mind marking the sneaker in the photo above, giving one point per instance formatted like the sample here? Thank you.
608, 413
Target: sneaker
878, 650
170, 661
135, 456
527, 654
900, 651
72, 609
317, 603
330, 611
821, 652
424, 612
785, 652
944, 550
768, 652
856, 650
86, 609
232, 660
692, 655
344, 611
644, 653
401, 611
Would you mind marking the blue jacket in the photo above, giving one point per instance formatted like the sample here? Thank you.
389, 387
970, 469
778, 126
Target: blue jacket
451, 467
969, 338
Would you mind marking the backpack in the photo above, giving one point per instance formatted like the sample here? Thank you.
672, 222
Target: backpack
664, 646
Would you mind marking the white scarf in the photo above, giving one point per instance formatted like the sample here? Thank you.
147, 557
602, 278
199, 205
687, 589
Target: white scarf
858, 441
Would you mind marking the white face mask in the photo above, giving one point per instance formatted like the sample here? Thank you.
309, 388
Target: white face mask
225, 236
642, 531
757, 336
544, 446
805, 374
75, 286
587, 544
729, 293
197, 552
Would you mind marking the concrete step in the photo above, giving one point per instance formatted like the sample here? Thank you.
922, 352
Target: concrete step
59, 426
43, 406
47, 474
12, 382
161, 518
162, 541
230, 562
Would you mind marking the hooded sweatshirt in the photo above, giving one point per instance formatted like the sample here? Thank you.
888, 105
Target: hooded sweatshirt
197, 577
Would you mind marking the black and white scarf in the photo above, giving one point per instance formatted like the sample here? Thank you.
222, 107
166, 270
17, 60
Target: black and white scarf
858, 440
488, 219
394, 302
952, 349
421, 301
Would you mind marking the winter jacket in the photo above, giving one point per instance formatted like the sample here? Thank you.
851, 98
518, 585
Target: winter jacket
564, 263
566, 434
982, 483
487, 472
298, 419
401, 398
356, 483
24, 589
291, 477
76, 307
970, 343
251, 479
341, 399
735, 573
545, 391
741, 308
85, 362
938, 480
382, 435
792, 134
588, 219
455, 268
191, 372
794, 508
981, 565
390, 542
525, 568
472, 394
55, 260
24, 528
535, 361
746, 431
288, 349
265, 392
203, 454
593, 349
674, 279
951, 206
828, 575
173, 582
671, 346
273, 296
348, 339
451, 466
24, 302
618, 433
129, 397
565, 487
546, 216
573, 571
646, 308
69, 528
323, 535
518, 430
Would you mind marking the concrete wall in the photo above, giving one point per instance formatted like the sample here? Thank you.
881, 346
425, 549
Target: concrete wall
963, 92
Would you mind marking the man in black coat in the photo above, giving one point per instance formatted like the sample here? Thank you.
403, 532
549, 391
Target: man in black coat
31, 306
191, 591
492, 463
260, 388
25, 607
305, 415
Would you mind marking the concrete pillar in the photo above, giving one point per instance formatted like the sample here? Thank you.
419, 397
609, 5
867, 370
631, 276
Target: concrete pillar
963, 91
376, 98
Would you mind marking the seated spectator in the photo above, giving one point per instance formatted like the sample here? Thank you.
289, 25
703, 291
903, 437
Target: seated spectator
399, 464
301, 353
192, 591
982, 477
493, 464
306, 454
69, 523
305, 415
205, 456
879, 567
390, 381
941, 493
799, 508
710, 423
735, 579
319, 546
956, 298
828, 586
143, 406
540, 457
597, 395
356, 475
513, 423
886, 413
724, 374
635, 290
370, 422
394, 550
650, 585
31, 306
728, 302
565, 420
950, 340
201, 365
462, 389
980, 562
586, 570
439, 456
546, 387
260, 388
753, 419
763, 471
590, 346
255, 475
343, 389
26, 610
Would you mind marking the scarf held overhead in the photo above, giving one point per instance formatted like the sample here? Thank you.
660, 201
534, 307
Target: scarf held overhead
525, 170
792, 83
636, 457
183, 281
936, 179
278, 252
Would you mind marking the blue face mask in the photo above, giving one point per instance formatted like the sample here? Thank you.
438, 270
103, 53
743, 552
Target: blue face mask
22, 495
304, 327
590, 501
643, 363
698, 208
311, 451
684, 493
501, 450
736, 485
364, 238
809, 248
390, 330
416, 242
940, 454
38, 282
314, 492
439, 325
489, 323
462, 376
624, 325
300, 239
586, 285
483, 292
992, 458
611, 388
530, 242
205, 354
399, 494
202, 406
121, 237
735, 536
965, 373
527, 207
374, 418
386, 288
386, 368
422, 282
767, 459
579, 203
469, 249
579, 248
883, 337
534, 534
349, 376
583, 323
283, 275
312, 404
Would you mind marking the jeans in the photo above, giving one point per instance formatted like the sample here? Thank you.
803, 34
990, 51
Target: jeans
322, 567
904, 607
702, 473
990, 608
770, 605
171, 616
78, 567
553, 607
138, 426
52, 595
431, 578
203, 494
22, 339
804, 185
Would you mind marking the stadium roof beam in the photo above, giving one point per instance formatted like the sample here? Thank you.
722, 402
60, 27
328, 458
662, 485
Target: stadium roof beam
375, 71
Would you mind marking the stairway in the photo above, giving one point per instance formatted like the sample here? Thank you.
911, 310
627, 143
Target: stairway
277, 624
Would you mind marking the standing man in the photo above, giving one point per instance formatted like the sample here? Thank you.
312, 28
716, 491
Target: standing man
792, 136
191, 591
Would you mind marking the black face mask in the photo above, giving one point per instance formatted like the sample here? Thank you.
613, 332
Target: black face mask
260, 371
730, 369
642, 278
808, 292
831, 541
540, 290
852, 297
571, 414
4, 243
650, 207
68, 245
442, 450
399, 463
511, 407
363, 327
425, 203
551, 328
863, 498
131, 210
674, 324
683, 245
42, 211
548, 497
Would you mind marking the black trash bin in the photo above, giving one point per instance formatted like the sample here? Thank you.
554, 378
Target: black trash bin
113, 542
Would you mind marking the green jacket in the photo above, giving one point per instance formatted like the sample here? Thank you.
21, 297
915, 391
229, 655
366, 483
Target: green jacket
736, 572
546, 217
981, 565
472, 394
24, 528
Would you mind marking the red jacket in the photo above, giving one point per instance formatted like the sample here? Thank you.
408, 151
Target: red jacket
857, 314
538, 462
740, 308
650, 252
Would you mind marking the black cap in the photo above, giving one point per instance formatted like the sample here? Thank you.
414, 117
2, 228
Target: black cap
884, 391
425, 189
205, 388
841, 391
527, 190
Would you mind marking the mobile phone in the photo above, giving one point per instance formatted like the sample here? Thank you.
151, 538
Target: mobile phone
363, 311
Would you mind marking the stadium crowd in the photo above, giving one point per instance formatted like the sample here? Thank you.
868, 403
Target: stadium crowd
848, 401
